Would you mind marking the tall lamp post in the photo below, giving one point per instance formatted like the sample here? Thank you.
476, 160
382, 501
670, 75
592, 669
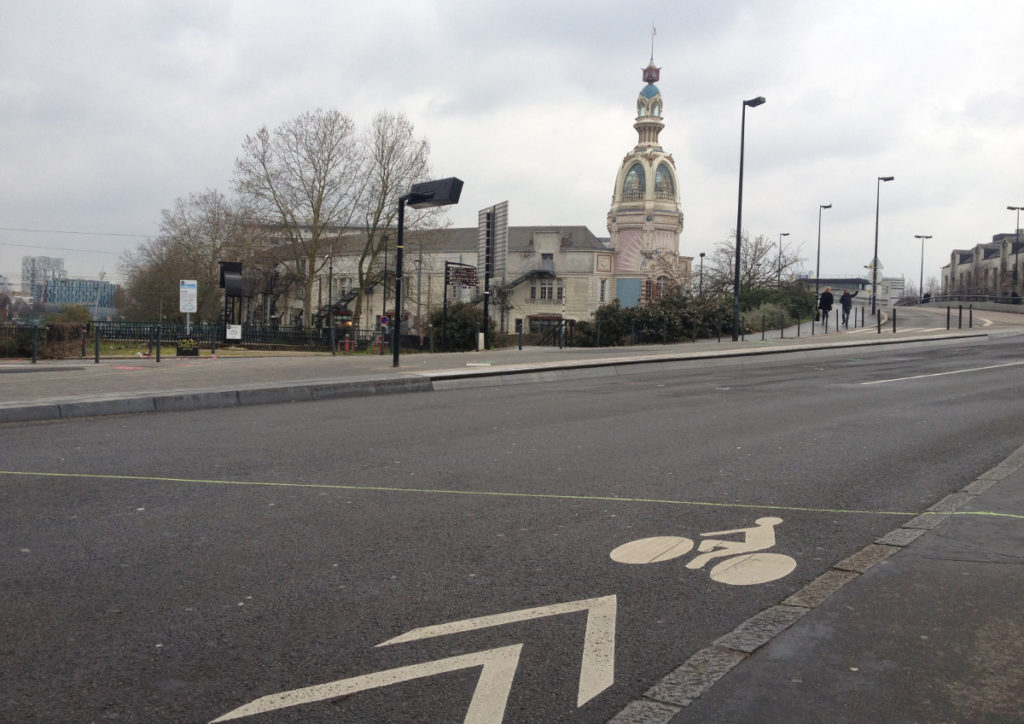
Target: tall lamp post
781, 234
442, 192
702, 275
1016, 248
817, 263
874, 260
384, 297
753, 103
920, 282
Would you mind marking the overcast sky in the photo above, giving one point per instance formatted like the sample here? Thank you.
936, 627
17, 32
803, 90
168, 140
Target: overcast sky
112, 110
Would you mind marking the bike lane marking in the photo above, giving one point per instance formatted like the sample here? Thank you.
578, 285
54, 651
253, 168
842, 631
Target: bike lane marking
491, 493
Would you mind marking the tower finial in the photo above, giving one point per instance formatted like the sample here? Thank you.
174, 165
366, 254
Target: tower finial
654, 31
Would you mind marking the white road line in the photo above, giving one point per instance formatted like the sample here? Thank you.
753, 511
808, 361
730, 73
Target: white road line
940, 374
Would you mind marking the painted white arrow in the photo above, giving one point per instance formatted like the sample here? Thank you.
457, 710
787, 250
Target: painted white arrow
486, 707
597, 670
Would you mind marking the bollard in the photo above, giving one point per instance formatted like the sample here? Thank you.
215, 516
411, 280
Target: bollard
85, 339
743, 329
878, 320
763, 320
334, 344
970, 317
798, 325
960, 322
347, 342
97, 340
948, 310
782, 326
718, 326
158, 330
894, 320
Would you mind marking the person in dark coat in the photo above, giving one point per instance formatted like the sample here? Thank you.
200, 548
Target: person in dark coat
846, 302
825, 302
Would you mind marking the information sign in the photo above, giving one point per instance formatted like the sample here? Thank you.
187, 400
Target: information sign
188, 296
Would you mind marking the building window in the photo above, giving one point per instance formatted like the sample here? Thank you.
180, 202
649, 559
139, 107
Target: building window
635, 184
547, 290
664, 186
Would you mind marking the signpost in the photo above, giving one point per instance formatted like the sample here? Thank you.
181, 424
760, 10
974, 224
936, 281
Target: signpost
188, 300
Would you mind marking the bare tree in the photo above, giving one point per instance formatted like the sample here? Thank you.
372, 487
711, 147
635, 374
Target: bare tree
395, 160
305, 180
759, 264
196, 233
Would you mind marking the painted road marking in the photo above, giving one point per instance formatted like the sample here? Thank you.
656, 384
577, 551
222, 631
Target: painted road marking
941, 374
745, 562
497, 494
652, 550
597, 670
486, 707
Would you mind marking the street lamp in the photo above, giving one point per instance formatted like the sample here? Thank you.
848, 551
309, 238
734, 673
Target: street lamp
702, 275
817, 263
442, 192
781, 234
874, 261
753, 103
920, 287
1016, 248
330, 300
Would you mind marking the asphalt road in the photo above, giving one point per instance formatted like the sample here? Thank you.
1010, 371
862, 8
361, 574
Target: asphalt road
179, 566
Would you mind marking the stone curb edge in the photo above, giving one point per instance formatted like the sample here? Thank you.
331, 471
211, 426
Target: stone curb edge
210, 399
680, 687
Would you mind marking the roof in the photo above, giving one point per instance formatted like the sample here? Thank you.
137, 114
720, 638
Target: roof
650, 90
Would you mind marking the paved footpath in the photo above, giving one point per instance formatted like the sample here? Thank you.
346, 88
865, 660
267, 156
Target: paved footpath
926, 624
81, 387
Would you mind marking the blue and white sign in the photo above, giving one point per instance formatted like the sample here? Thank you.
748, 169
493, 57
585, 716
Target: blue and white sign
188, 296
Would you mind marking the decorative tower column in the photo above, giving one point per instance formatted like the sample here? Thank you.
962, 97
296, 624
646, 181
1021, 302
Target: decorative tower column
646, 218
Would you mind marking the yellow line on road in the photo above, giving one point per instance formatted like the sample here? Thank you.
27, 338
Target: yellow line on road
496, 494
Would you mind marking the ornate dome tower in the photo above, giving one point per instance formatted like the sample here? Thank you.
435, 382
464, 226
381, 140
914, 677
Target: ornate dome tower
645, 218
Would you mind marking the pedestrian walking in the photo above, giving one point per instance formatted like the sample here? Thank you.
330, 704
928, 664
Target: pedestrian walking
825, 302
846, 302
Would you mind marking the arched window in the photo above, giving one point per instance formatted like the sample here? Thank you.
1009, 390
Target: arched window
664, 185
656, 110
634, 185
641, 109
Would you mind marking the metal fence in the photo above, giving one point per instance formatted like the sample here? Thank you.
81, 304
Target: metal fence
17, 338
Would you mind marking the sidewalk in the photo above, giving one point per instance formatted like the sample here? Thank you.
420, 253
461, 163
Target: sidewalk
76, 388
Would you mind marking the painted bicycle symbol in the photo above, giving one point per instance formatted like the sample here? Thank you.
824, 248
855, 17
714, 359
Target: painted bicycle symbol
744, 564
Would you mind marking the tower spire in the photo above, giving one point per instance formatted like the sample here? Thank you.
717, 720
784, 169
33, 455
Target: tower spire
654, 31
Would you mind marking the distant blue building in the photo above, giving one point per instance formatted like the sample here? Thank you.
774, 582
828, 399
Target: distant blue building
87, 292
